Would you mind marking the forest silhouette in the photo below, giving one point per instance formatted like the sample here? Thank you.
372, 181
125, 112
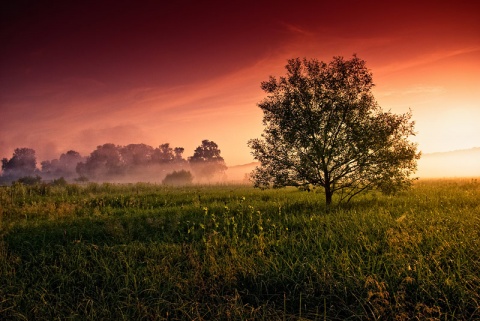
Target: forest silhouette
116, 163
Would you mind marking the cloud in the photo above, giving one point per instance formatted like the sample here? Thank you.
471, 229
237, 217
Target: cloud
424, 59
297, 29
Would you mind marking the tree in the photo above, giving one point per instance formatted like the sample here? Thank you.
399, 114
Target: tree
206, 161
69, 161
134, 155
324, 128
23, 163
179, 154
163, 154
64, 167
104, 162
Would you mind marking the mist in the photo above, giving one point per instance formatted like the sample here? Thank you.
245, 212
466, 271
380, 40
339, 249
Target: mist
124, 164
134, 163
459, 163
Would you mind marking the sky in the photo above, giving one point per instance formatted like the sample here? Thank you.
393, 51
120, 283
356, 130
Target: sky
78, 74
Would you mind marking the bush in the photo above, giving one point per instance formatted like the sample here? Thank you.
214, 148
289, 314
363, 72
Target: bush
182, 177
30, 180
59, 182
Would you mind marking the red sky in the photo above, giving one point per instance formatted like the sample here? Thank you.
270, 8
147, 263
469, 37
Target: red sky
77, 74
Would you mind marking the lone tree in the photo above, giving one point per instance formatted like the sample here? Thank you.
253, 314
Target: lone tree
324, 128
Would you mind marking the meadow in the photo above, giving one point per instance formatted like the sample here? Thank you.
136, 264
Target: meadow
151, 252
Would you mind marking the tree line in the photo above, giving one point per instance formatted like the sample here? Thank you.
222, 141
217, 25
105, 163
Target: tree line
323, 128
110, 162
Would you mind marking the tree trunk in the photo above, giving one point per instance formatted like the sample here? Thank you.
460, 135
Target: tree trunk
328, 195
328, 189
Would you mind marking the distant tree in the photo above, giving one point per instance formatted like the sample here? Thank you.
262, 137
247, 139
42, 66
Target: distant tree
324, 128
23, 163
69, 161
65, 166
163, 154
206, 161
179, 154
49, 167
103, 163
135, 155
181, 177
169, 158
131, 162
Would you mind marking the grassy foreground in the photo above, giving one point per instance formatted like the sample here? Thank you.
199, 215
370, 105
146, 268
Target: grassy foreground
148, 252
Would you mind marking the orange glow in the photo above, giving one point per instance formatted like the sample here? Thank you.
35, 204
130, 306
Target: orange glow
462, 163
180, 74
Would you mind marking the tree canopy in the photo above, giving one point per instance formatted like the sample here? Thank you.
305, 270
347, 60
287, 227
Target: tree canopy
23, 163
324, 128
206, 161
64, 167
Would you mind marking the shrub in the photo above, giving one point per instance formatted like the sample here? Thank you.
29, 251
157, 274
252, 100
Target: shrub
182, 177
30, 180
59, 182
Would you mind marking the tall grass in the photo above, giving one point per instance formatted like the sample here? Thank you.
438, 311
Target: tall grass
144, 251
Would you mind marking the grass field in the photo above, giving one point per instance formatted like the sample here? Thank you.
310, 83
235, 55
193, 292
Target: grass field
149, 252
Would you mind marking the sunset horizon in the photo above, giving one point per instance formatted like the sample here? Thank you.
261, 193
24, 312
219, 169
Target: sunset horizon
76, 76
